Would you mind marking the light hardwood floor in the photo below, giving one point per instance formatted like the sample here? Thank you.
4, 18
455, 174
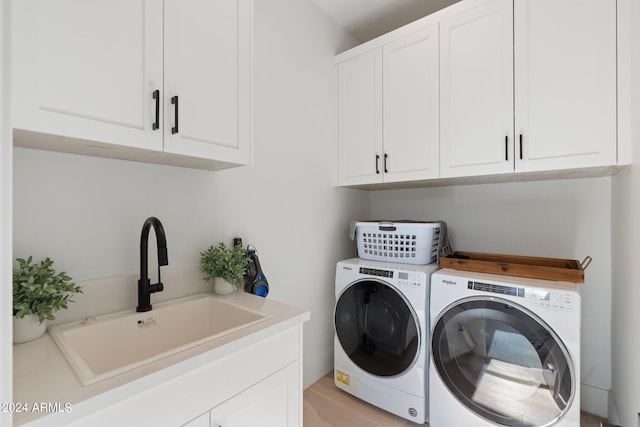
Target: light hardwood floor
327, 406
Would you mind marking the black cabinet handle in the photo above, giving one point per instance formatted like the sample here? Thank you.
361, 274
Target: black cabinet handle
156, 96
506, 148
377, 164
174, 101
385, 163
520, 146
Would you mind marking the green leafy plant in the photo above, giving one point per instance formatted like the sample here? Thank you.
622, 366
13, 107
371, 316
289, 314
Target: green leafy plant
228, 263
38, 290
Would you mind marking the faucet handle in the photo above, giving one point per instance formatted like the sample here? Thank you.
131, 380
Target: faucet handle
158, 287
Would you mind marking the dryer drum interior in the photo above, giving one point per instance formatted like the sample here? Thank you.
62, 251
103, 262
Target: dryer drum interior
503, 362
377, 328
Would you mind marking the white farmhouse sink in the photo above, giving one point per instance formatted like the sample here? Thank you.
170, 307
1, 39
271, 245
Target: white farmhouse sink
102, 347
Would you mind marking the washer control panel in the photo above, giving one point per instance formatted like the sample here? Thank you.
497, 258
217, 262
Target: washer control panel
376, 272
407, 279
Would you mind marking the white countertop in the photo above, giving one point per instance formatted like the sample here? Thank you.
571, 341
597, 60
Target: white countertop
41, 374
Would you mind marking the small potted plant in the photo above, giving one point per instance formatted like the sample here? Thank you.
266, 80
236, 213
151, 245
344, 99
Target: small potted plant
226, 266
38, 292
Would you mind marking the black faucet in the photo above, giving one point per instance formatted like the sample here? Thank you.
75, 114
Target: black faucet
145, 288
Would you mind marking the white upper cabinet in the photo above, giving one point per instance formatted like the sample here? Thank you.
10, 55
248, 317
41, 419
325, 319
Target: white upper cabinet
207, 73
565, 71
394, 140
488, 89
360, 119
411, 110
150, 80
476, 91
88, 69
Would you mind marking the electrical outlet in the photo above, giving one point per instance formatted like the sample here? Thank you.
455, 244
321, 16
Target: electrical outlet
232, 236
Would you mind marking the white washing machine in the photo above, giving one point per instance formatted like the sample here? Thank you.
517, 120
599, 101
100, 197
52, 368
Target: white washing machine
505, 351
381, 343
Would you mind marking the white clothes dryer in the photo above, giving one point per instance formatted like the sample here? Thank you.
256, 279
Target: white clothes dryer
381, 342
505, 351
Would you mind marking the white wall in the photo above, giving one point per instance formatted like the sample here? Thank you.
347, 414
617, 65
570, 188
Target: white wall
86, 213
289, 207
624, 406
559, 219
5, 217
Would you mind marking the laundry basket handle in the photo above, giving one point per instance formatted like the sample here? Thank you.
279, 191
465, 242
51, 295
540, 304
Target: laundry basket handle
387, 226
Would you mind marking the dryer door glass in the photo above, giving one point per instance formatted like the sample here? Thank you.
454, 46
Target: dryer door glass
503, 362
377, 328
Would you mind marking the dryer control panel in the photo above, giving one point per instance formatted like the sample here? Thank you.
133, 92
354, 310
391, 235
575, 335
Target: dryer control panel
547, 298
496, 289
554, 300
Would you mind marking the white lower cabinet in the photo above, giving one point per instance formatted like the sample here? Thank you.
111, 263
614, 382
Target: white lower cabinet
270, 403
258, 385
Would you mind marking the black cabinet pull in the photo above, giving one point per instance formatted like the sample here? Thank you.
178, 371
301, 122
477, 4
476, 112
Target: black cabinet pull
520, 146
156, 96
385, 163
377, 164
506, 148
174, 101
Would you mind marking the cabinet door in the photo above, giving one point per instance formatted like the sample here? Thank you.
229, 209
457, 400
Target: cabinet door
411, 107
273, 402
88, 69
360, 119
565, 65
201, 421
476, 90
207, 60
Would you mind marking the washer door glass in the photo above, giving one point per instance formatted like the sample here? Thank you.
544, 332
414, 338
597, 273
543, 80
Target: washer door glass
377, 328
503, 362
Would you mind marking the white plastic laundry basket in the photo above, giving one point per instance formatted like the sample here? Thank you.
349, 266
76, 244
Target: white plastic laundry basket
402, 242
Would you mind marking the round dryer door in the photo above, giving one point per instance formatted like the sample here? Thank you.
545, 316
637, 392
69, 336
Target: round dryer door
377, 328
503, 362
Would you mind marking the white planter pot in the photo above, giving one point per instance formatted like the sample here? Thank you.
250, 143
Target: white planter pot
222, 287
27, 329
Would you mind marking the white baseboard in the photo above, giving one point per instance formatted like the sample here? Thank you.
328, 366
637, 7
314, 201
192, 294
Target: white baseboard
316, 367
594, 400
613, 410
